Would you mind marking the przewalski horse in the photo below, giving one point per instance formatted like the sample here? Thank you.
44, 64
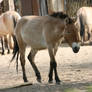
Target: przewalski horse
8, 21
84, 20
44, 32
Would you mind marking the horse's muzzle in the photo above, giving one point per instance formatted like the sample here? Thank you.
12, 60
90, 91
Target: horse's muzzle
75, 47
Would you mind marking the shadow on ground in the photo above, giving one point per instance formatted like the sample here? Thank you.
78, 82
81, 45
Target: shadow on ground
63, 87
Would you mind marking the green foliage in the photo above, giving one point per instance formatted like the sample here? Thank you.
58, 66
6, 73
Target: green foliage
89, 89
72, 90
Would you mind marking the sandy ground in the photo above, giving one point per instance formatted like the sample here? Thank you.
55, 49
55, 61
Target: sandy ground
73, 69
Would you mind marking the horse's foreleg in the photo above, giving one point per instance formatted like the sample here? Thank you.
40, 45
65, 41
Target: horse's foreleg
53, 66
55, 50
31, 59
55, 69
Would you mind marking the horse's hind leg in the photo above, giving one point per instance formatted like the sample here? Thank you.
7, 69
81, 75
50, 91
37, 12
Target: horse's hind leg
82, 30
31, 59
6, 40
2, 42
90, 35
53, 66
22, 59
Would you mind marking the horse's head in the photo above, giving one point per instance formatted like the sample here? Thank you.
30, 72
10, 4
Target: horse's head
71, 35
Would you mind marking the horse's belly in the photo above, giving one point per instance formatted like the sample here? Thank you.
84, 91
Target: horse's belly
34, 41
36, 44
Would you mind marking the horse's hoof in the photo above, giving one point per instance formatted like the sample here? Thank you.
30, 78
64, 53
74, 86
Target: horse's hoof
50, 81
39, 80
25, 80
90, 43
58, 81
3, 53
8, 52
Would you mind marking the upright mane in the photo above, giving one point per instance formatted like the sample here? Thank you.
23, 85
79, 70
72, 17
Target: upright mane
61, 15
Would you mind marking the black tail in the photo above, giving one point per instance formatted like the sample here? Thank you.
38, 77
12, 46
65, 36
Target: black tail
15, 52
82, 27
16, 47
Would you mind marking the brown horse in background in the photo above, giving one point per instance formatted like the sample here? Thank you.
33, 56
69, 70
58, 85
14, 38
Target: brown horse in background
8, 21
44, 32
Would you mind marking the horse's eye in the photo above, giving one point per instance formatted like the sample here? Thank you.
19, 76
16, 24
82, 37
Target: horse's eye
69, 32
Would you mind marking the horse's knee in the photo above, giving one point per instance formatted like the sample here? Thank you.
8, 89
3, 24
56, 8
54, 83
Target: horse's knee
53, 64
22, 59
29, 57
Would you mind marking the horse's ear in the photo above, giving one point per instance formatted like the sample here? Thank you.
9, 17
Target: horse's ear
66, 20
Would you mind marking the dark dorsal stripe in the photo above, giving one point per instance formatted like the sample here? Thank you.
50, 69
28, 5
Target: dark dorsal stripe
61, 15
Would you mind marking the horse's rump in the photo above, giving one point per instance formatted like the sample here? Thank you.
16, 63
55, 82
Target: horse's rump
84, 21
7, 24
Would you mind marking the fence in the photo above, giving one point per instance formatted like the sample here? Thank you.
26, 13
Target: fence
71, 6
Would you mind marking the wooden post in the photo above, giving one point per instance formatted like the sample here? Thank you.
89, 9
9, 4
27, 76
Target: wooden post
18, 6
6, 5
11, 5
55, 5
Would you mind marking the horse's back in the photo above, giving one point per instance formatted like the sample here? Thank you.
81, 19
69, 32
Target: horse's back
35, 30
39, 23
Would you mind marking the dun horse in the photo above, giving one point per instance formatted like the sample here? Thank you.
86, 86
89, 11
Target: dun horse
44, 32
84, 20
7, 23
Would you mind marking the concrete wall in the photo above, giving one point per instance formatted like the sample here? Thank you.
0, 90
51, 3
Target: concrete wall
57, 5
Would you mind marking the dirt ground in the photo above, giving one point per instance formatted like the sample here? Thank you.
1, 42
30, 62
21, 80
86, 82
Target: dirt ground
75, 70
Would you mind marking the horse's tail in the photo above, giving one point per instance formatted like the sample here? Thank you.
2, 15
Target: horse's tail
16, 47
82, 27
15, 52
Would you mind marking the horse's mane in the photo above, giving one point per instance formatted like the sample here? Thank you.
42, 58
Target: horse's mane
61, 15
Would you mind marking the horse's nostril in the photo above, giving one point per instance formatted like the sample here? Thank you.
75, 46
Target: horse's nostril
76, 49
